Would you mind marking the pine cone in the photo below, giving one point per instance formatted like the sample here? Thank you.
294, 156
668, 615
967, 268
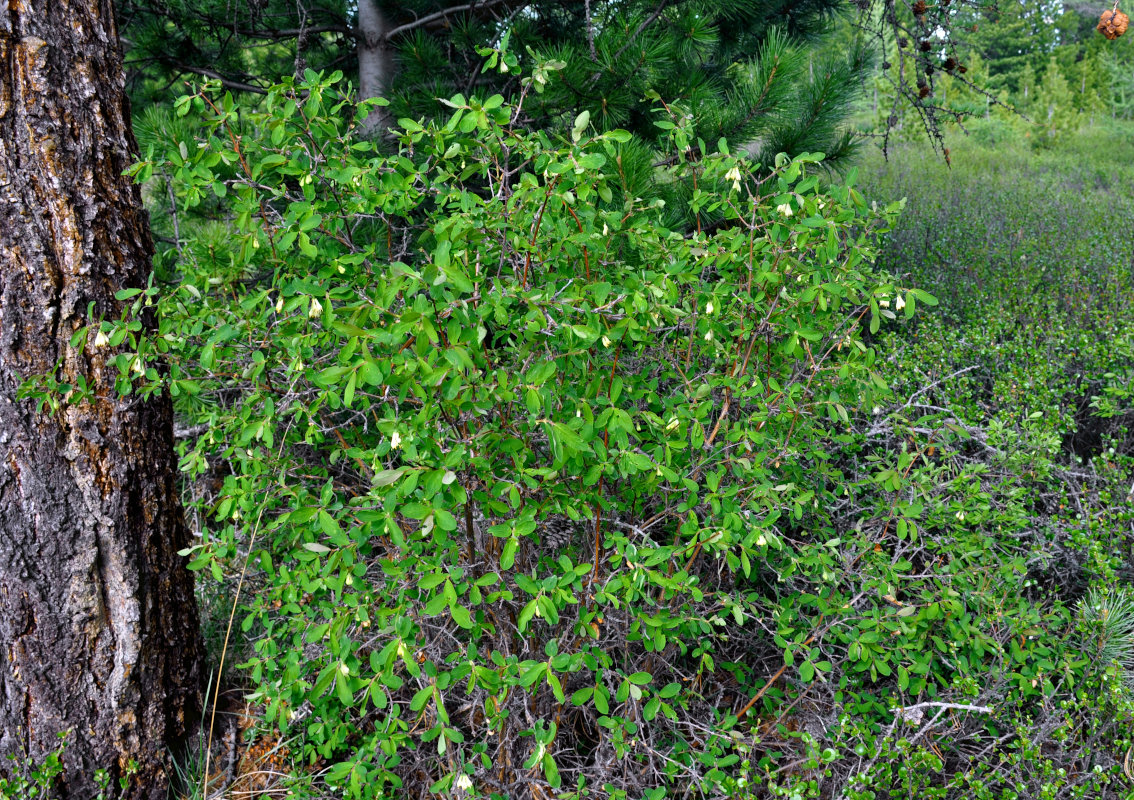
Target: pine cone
557, 532
1112, 24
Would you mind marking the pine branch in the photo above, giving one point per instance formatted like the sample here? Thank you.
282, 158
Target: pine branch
650, 20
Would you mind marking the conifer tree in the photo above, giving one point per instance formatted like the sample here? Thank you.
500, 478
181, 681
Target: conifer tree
1015, 38
759, 75
1054, 106
1089, 88
1119, 77
98, 625
751, 71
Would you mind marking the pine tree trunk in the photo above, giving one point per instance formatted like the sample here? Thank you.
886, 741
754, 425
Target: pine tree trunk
375, 63
98, 624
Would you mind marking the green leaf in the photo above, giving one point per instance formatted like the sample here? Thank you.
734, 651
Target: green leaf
570, 441
582, 695
388, 476
547, 609
602, 700
331, 527
551, 772
508, 554
651, 709
580, 126
323, 682
342, 690
556, 686
348, 393
526, 614
421, 698
583, 332
924, 297
532, 674
806, 671
445, 521
461, 616
301, 515
441, 254
436, 605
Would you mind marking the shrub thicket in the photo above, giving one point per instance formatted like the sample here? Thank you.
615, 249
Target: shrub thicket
537, 497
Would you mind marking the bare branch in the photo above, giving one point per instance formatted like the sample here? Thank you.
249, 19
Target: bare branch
911, 712
291, 33
428, 18
590, 31
226, 82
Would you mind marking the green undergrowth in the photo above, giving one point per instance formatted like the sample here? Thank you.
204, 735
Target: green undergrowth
1019, 388
24, 778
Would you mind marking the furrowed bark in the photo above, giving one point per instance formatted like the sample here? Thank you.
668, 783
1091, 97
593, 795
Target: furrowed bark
98, 623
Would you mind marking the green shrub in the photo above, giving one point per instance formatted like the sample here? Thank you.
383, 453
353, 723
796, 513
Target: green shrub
21, 779
514, 465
